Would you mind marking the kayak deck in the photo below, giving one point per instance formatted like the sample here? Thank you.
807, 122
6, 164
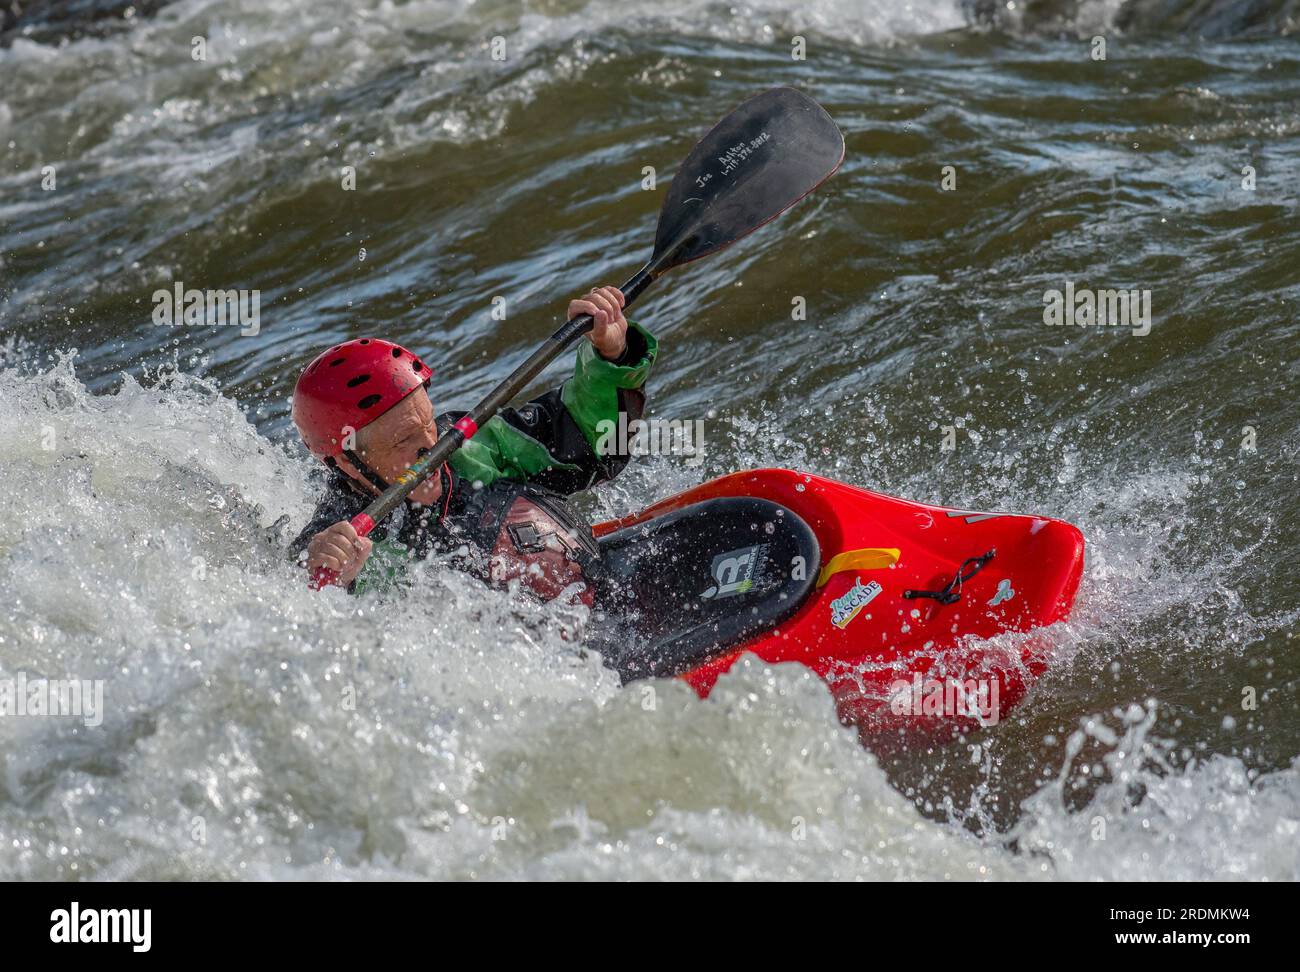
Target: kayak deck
895, 594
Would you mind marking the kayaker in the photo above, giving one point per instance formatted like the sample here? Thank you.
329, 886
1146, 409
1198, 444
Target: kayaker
497, 507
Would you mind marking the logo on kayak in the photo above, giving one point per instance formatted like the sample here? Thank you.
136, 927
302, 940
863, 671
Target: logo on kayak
736, 571
845, 609
1005, 592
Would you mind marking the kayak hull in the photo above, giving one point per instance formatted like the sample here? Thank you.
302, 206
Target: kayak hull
895, 656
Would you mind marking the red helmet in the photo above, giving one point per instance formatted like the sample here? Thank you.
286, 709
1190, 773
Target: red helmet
349, 386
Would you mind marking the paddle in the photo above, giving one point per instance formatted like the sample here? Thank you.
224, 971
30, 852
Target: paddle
756, 163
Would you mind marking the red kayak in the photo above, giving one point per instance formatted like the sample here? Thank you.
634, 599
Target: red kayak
897, 605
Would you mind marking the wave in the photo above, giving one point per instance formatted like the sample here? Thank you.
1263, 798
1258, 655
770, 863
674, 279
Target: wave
254, 729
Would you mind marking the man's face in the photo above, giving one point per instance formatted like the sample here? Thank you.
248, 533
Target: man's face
392, 442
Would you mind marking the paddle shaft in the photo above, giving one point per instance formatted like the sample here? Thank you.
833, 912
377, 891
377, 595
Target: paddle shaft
498, 398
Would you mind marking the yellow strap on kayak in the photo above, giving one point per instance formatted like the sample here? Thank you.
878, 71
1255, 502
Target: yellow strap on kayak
868, 558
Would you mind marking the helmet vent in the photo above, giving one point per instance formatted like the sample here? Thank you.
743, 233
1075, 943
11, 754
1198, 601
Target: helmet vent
337, 361
417, 365
369, 401
397, 352
358, 380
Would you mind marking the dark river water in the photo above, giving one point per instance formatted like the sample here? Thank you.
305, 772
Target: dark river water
149, 474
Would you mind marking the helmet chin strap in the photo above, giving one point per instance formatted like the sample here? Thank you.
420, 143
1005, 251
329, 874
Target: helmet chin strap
380, 485
372, 477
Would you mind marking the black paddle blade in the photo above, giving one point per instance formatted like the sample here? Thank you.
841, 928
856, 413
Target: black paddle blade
755, 164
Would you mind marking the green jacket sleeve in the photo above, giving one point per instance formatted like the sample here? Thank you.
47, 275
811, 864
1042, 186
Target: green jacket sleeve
554, 439
592, 394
